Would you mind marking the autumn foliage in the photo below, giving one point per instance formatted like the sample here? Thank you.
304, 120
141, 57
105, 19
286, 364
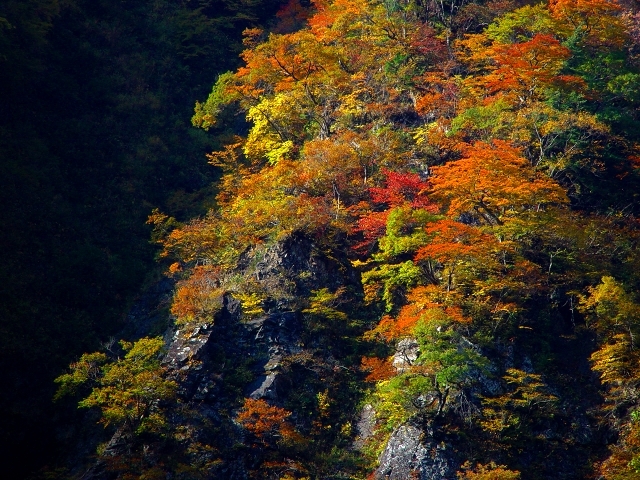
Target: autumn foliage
478, 175
494, 181
488, 472
265, 421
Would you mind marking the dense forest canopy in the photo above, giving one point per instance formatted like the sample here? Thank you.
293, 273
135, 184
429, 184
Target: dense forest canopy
478, 162
473, 164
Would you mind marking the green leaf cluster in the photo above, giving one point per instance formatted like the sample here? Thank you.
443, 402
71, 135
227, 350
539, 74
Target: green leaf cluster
128, 390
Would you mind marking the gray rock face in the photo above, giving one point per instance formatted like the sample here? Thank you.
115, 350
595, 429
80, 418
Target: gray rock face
365, 427
412, 453
407, 352
185, 347
278, 333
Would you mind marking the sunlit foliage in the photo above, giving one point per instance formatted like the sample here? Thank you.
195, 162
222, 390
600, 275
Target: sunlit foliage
479, 182
128, 390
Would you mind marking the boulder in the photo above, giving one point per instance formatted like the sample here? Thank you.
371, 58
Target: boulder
411, 452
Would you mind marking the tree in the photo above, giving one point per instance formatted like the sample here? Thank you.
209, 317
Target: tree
335, 169
493, 182
360, 122
524, 70
453, 244
611, 309
490, 471
442, 368
515, 415
378, 368
400, 190
266, 422
614, 314
198, 297
535, 87
595, 23
128, 390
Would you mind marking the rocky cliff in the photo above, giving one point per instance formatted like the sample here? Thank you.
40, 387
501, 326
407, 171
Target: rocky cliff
287, 356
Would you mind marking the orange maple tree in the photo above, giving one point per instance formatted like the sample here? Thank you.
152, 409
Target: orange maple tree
266, 422
524, 69
493, 181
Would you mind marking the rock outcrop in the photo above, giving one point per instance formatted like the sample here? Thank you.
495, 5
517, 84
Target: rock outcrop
412, 453
218, 363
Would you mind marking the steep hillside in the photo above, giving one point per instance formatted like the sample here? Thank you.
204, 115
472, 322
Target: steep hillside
422, 261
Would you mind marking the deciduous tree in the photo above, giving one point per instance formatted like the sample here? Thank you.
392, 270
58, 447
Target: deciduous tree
128, 390
493, 182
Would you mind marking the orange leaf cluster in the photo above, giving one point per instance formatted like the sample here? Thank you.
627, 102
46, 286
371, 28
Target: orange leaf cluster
424, 304
597, 20
198, 294
263, 420
487, 472
524, 68
378, 368
451, 241
494, 180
